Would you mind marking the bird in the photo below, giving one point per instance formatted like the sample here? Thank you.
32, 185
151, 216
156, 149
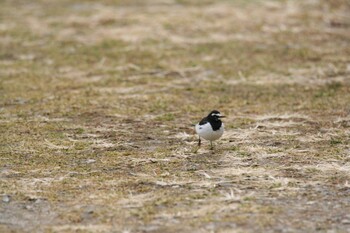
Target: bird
210, 128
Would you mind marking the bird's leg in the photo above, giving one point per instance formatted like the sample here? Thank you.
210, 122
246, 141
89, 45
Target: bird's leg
211, 145
199, 141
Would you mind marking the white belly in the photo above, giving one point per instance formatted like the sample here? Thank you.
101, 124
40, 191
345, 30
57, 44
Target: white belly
206, 131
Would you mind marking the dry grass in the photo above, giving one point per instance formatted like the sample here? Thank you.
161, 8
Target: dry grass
97, 101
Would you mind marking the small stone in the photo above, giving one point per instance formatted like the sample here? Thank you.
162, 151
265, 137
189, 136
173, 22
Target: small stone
88, 161
345, 221
6, 198
161, 183
37, 201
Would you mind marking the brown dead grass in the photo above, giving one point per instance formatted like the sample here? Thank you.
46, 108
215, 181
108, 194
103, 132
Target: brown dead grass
97, 101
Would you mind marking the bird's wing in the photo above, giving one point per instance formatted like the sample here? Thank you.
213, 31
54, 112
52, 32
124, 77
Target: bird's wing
203, 121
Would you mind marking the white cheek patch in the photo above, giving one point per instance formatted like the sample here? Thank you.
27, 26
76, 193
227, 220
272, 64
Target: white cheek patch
216, 114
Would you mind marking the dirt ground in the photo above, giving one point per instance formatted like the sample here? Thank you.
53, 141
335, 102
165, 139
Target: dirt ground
98, 98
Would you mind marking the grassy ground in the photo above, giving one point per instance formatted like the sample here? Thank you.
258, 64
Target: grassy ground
97, 99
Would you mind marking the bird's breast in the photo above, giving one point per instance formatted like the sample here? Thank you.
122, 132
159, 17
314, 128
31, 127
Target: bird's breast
206, 131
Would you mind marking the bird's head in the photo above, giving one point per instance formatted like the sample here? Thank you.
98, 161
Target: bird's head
215, 115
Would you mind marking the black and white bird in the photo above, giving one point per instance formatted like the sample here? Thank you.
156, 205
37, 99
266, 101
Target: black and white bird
210, 127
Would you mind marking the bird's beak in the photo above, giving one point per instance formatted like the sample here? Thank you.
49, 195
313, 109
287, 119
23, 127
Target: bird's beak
222, 116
